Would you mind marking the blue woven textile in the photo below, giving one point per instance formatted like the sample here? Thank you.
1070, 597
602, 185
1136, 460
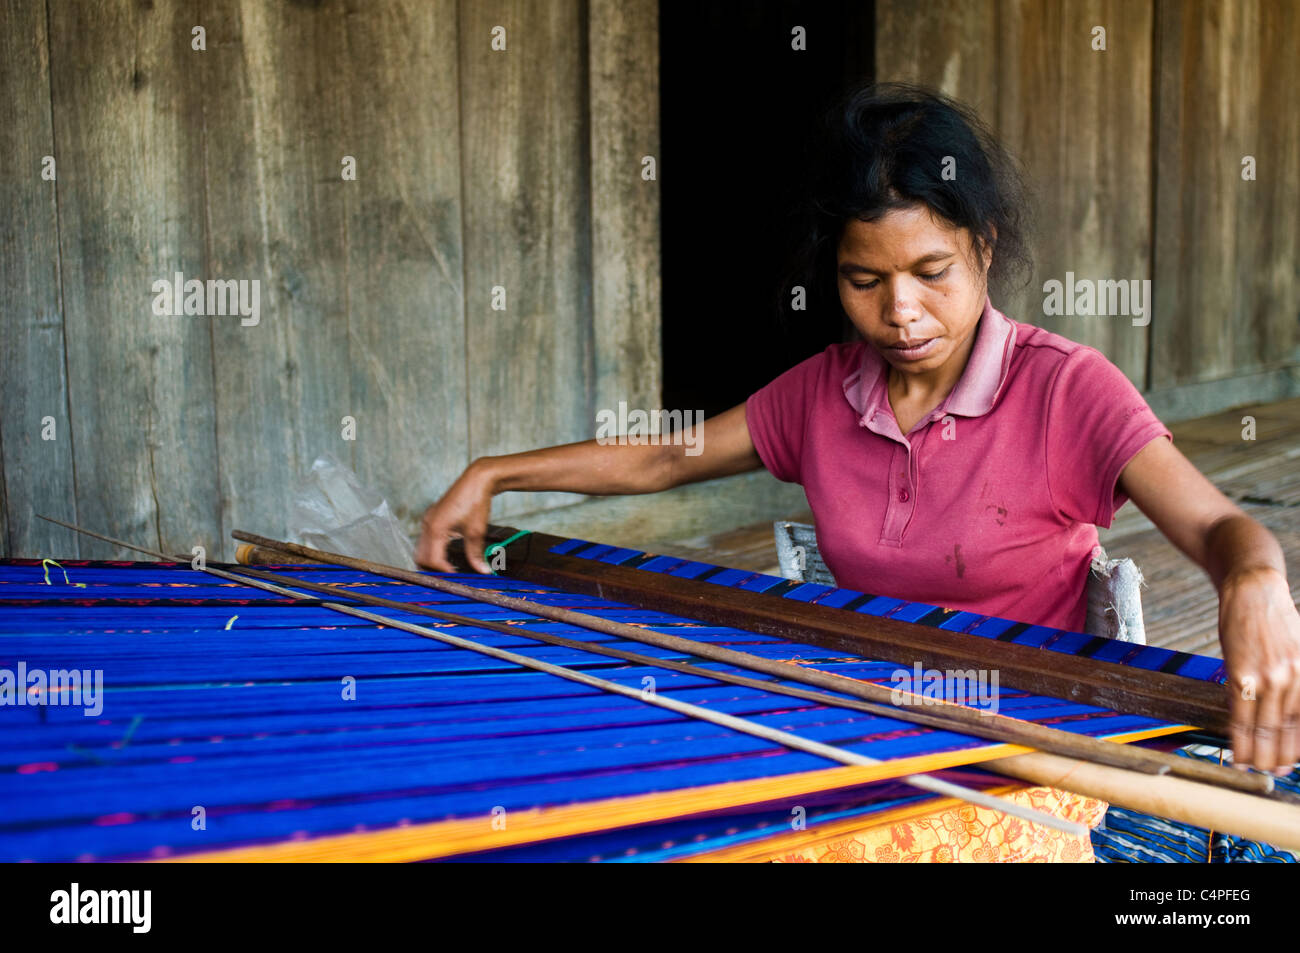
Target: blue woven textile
1129, 837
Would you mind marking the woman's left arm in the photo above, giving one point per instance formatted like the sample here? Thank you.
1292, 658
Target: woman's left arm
1259, 627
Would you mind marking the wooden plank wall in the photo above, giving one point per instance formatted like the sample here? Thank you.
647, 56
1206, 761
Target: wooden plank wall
1134, 155
527, 230
33, 378
1227, 249
130, 211
476, 168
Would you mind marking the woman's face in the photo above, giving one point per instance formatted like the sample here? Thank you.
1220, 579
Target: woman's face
913, 287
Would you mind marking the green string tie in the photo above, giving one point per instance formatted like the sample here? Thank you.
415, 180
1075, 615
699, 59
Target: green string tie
487, 553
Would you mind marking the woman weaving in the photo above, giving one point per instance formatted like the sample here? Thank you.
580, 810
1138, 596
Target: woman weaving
962, 456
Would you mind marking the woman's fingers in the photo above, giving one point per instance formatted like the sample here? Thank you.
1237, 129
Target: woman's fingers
462, 512
1260, 631
1263, 721
431, 550
1241, 719
474, 542
1268, 722
1288, 744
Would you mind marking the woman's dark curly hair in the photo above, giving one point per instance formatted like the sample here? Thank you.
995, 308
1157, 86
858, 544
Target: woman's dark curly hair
884, 146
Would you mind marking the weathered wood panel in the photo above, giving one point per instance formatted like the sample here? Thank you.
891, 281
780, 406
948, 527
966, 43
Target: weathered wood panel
1226, 264
4, 505
1078, 121
256, 408
361, 278
37, 473
525, 143
405, 269
224, 164
125, 90
624, 107
952, 45
276, 200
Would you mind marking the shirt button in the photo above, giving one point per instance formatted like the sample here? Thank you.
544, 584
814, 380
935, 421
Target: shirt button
903, 496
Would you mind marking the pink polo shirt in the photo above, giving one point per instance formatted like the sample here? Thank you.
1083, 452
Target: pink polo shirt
991, 503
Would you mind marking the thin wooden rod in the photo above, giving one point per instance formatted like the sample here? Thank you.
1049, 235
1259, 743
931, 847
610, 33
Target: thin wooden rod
941, 713
250, 555
777, 736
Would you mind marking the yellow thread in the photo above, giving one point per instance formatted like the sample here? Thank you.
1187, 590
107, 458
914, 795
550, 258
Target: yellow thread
47, 563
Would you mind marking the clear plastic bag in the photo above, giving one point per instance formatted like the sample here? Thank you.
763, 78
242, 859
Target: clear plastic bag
333, 511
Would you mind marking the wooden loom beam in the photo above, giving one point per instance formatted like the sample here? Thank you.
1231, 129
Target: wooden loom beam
1160, 695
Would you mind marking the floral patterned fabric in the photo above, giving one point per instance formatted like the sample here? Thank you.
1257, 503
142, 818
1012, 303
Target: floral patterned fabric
965, 833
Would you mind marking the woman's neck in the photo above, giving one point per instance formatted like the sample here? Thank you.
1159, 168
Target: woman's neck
929, 388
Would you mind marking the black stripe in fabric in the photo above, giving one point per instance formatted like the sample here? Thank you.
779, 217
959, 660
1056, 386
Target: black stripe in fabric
1176, 662
710, 573
582, 549
782, 587
937, 617
1092, 646
858, 602
640, 559
1012, 632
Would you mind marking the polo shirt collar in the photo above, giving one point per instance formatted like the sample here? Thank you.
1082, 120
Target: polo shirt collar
978, 387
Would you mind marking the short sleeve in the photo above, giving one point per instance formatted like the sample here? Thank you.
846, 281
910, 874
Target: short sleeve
777, 417
1096, 423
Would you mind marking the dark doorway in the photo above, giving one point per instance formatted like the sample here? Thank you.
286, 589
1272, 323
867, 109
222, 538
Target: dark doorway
737, 102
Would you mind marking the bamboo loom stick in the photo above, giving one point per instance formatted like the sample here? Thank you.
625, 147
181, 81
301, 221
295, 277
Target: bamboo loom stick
1214, 808
943, 714
795, 742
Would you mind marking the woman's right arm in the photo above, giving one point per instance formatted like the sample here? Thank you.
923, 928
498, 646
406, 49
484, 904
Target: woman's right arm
720, 447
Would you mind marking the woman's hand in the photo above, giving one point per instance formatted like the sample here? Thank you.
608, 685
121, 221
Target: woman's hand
1258, 626
1260, 632
463, 511
594, 467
